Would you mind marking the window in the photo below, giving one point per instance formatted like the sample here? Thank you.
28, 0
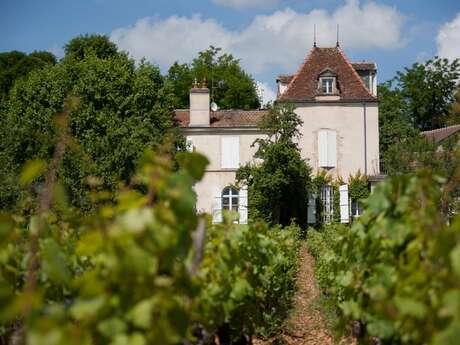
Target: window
230, 152
356, 209
327, 85
230, 199
327, 148
327, 203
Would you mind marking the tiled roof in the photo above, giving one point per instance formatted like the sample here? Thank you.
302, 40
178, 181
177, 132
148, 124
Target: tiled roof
364, 66
304, 84
284, 78
224, 118
438, 135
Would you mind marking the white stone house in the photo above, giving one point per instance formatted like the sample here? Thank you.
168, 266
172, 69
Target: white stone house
335, 98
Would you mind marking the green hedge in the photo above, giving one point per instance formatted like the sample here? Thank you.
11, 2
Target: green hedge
248, 279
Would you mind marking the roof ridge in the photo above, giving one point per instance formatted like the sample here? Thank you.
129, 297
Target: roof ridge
354, 72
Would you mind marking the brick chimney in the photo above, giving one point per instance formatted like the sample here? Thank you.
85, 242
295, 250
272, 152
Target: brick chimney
199, 106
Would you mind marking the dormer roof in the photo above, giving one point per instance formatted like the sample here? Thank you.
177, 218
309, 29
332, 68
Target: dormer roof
327, 72
303, 87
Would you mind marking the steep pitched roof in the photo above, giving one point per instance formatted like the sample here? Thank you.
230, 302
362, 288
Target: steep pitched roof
224, 118
438, 135
304, 84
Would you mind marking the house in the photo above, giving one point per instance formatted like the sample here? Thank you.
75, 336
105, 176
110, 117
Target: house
335, 98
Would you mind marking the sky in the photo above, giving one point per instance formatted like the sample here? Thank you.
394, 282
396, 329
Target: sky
270, 37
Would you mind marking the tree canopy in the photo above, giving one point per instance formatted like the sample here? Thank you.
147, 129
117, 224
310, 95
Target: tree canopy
419, 98
455, 117
394, 125
15, 64
123, 109
279, 185
231, 87
427, 92
99, 45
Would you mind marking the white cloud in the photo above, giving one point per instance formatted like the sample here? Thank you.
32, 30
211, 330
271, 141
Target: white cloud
280, 39
176, 38
267, 93
245, 3
449, 39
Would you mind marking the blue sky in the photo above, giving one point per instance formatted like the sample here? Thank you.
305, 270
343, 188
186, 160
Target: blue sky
270, 36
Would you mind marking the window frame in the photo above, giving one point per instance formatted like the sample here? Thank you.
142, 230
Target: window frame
229, 193
327, 85
327, 202
356, 209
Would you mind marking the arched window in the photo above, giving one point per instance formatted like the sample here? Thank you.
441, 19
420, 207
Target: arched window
230, 199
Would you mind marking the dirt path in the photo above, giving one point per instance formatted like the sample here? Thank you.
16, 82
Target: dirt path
306, 324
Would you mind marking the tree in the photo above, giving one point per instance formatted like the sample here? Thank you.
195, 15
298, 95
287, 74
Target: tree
279, 186
15, 65
99, 45
427, 92
123, 110
455, 115
231, 87
394, 124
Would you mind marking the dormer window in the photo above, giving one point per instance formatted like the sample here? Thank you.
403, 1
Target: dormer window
327, 85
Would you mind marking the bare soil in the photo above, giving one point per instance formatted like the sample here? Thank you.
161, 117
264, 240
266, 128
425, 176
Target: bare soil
306, 324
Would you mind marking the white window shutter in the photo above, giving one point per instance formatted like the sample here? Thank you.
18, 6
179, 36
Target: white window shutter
322, 149
230, 152
217, 206
243, 205
344, 204
311, 215
331, 148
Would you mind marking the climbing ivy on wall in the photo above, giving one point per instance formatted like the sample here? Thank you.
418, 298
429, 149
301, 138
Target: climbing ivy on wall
358, 187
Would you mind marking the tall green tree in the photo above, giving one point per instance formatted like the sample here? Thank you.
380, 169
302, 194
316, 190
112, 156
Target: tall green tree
279, 186
123, 110
427, 92
15, 65
394, 123
231, 87
97, 44
455, 116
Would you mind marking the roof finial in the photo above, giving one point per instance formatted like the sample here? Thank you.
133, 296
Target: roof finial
338, 44
314, 35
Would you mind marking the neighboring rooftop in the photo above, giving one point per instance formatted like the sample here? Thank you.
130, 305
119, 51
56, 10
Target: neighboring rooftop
364, 66
224, 118
304, 84
438, 135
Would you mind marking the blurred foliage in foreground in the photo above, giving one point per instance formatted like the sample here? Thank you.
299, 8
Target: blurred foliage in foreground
396, 272
139, 268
